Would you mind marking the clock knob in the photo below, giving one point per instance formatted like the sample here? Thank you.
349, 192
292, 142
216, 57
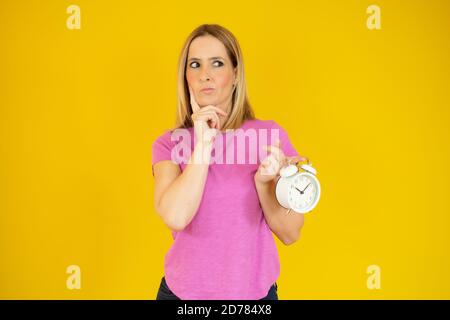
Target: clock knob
309, 168
288, 171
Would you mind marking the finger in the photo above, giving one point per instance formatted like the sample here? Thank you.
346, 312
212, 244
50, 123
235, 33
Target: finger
209, 134
194, 104
296, 159
273, 166
216, 109
282, 161
265, 162
269, 150
278, 152
204, 117
265, 167
218, 121
278, 143
215, 121
215, 115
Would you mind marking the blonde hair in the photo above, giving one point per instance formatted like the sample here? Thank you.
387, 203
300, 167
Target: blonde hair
240, 108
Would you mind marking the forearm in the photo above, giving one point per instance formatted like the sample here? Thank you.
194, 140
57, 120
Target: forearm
182, 198
286, 226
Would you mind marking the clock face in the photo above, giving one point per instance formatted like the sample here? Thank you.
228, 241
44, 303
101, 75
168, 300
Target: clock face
303, 192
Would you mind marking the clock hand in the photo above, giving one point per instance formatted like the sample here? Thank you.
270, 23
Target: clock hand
301, 192
306, 187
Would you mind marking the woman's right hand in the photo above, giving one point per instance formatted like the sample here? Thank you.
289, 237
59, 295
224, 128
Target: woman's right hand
206, 120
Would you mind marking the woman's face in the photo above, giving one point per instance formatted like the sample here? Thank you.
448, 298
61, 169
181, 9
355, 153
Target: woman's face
208, 66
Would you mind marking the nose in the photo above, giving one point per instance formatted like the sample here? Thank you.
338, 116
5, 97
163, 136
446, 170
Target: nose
204, 74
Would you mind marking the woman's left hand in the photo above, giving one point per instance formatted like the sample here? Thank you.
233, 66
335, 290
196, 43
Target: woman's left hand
269, 169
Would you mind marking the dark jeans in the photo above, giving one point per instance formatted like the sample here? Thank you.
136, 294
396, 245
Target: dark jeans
164, 293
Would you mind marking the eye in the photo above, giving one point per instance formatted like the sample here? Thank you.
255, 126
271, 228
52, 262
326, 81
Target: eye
217, 63
192, 63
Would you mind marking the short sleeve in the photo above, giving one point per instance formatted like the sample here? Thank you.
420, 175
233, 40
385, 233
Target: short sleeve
288, 149
162, 148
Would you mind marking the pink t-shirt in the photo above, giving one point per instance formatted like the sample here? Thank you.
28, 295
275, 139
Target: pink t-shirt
227, 252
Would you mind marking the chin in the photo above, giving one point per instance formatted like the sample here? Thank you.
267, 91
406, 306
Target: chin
206, 101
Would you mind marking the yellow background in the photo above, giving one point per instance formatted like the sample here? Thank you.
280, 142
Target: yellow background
79, 110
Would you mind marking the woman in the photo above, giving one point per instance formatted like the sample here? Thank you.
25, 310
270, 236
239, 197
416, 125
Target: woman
222, 215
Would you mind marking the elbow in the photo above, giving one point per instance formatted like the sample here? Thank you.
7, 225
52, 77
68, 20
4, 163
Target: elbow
171, 220
291, 239
174, 221
176, 226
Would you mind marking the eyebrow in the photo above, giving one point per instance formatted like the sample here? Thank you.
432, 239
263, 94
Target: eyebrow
212, 58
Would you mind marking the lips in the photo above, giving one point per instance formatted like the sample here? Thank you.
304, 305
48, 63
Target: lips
207, 89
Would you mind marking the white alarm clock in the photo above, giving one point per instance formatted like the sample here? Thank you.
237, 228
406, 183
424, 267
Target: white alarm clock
298, 188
